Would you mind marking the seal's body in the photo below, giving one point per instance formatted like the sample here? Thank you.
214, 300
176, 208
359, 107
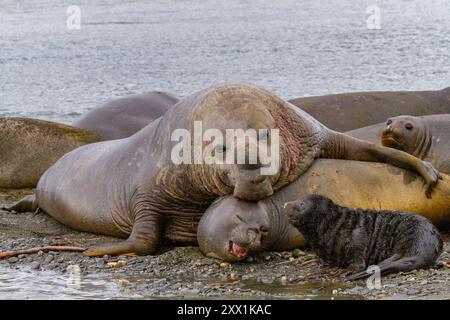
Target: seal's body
133, 188
348, 111
30, 146
121, 118
357, 238
427, 137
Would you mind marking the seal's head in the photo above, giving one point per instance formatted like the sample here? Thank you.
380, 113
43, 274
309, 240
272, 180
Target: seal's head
306, 212
402, 133
232, 230
254, 127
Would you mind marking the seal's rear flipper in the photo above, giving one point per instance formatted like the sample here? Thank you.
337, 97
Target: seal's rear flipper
27, 204
390, 265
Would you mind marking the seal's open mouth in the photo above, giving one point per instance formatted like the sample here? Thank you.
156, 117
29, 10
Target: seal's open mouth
237, 251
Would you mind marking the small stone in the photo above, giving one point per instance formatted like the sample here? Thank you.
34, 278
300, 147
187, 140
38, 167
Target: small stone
118, 264
267, 258
21, 256
334, 292
284, 280
35, 265
412, 279
40, 253
234, 276
424, 282
266, 280
13, 260
298, 253
224, 265
412, 292
123, 282
48, 259
250, 259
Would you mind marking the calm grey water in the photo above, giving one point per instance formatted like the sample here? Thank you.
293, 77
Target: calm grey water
294, 48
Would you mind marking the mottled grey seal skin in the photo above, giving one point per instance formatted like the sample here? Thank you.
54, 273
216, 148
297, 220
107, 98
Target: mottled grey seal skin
426, 137
232, 230
121, 118
30, 146
349, 111
356, 238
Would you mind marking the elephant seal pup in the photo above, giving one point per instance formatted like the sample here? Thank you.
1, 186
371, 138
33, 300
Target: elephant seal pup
133, 188
121, 118
356, 238
29, 147
427, 137
231, 230
348, 111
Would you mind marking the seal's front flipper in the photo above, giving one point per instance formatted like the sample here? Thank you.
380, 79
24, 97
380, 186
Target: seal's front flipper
127, 247
144, 239
27, 204
346, 147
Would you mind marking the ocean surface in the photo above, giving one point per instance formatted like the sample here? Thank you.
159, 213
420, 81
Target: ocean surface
293, 48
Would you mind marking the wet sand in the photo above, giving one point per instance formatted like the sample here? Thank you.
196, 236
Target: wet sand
185, 272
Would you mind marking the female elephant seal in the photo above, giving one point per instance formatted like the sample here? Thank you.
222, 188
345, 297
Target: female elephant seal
356, 238
132, 187
228, 229
232, 230
427, 137
29, 147
348, 111
121, 118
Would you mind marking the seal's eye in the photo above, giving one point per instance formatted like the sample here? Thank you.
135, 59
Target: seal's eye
221, 148
264, 134
409, 126
389, 122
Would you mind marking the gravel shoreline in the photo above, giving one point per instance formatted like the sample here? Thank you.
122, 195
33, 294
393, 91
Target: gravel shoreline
185, 272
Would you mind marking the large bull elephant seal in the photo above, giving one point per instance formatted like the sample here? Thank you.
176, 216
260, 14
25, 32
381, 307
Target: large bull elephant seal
349, 111
426, 137
133, 188
29, 147
121, 118
232, 230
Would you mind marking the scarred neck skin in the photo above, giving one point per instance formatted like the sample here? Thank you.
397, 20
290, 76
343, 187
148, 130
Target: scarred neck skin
301, 139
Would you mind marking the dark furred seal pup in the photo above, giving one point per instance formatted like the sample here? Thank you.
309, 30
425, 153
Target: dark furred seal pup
348, 111
132, 187
427, 137
357, 238
121, 118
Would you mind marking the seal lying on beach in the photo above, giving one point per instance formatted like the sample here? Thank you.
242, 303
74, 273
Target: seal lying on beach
223, 235
427, 137
356, 238
29, 147
121, 118
232, 230
349, 111
132, 187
